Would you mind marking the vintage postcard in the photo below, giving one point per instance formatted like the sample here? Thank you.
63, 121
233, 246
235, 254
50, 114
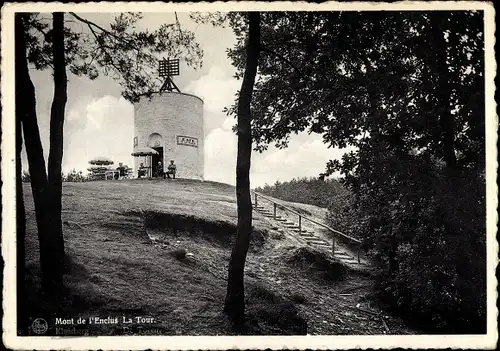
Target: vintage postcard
249, 175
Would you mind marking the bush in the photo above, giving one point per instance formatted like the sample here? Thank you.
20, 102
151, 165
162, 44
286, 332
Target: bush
310, 191
425, 229
74, 176
271, 313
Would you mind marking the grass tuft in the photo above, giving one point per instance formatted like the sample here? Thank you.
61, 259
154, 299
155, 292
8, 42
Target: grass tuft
318, 263
179, 254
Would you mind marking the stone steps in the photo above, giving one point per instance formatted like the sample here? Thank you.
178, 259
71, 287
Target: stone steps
307, 235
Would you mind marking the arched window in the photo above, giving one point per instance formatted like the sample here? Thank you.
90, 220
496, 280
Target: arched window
155, 140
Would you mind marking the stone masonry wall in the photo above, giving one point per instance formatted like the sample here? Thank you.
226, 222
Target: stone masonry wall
173, 115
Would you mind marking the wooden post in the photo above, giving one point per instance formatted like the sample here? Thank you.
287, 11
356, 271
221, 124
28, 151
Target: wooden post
333, 247
255, 200
300, 224
275, 210
359, 260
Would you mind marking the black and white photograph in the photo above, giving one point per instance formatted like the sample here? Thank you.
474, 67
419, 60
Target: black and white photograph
205, 176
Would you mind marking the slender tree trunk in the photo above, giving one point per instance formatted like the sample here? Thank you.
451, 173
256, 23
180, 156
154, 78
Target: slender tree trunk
20, 230
56, 129
49, 260
235, 298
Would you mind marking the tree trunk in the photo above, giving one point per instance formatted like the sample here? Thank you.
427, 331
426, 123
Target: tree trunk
56, 129
26, 109
20, 230
235, 298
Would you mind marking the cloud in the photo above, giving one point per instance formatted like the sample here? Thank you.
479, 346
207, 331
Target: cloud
217, 88
220, 156
107, 130
306, 156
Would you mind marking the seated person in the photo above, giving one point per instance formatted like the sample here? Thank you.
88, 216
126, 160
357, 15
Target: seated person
121, 171
172, 169
141, 172
159, 170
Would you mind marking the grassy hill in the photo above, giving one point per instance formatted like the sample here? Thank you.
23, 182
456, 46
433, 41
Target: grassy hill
126, 244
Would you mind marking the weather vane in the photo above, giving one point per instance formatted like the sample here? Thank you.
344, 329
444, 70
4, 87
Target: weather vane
168, 68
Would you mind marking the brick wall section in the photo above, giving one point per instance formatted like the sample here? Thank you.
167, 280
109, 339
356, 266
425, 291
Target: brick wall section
170, 115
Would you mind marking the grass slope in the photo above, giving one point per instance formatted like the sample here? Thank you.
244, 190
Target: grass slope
160, 249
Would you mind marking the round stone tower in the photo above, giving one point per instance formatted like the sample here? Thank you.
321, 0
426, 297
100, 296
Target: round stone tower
172, 124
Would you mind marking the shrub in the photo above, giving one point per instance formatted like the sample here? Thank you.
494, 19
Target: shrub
310, 191
74, 176
425, 229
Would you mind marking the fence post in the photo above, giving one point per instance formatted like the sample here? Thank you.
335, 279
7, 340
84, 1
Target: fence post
359, 260
274, 210
255, 200
300, 224
333, 246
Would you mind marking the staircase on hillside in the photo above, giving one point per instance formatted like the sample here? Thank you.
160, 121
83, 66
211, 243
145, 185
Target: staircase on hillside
309, 236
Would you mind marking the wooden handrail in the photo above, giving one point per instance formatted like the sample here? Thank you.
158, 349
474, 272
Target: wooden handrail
345, 236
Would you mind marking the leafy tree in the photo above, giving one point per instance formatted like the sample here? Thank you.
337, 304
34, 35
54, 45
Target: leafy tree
405, 91
120, 52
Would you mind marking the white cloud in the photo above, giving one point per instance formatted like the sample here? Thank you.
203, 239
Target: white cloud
217, 88
220, 156
306, 156
109, 132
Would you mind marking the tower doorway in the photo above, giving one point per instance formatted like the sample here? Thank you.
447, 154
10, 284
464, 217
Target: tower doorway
155, 159
155, 141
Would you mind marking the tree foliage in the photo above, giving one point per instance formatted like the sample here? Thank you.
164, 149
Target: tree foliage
305, 190
405, 92
120, 51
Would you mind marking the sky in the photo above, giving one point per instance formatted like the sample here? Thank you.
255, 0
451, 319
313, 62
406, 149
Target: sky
99, 122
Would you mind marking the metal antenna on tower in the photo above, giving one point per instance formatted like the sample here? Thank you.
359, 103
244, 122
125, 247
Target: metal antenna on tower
168, 68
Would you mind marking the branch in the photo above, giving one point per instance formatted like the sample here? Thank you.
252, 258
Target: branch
178, 25
283, 58
90, 24
103, 48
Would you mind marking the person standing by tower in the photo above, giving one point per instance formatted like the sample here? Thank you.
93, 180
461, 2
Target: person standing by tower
172, 169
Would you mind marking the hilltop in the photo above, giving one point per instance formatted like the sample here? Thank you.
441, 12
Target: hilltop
160, 249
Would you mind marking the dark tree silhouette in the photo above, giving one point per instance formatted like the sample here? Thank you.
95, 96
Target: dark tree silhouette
25, 108
405, 91
57, 130
235, 298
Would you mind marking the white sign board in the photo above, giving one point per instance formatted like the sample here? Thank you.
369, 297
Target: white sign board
188, 141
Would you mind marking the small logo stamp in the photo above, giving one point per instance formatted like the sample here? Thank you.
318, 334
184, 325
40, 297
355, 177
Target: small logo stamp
39, 326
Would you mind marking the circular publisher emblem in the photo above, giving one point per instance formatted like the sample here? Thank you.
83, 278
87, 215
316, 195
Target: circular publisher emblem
39, 326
